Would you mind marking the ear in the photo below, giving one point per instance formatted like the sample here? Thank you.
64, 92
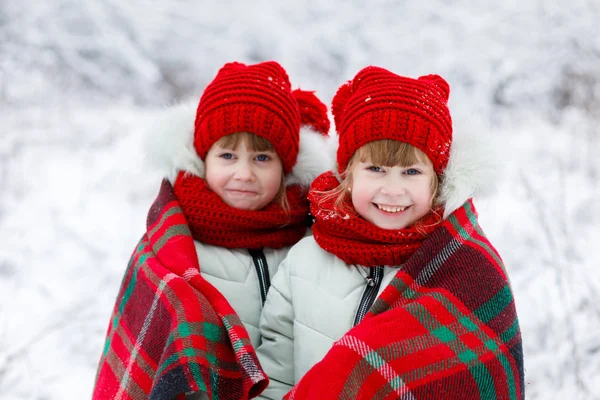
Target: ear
170, 142
472, 169
314, 157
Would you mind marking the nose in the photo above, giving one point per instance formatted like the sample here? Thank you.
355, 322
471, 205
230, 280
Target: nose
243, 171
393, 187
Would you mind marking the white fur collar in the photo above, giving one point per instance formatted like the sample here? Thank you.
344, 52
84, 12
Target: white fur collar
170, 147
313, 158
170, 142
471, 171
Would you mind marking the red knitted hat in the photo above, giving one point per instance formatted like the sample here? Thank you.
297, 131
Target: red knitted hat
256, 99
378, 104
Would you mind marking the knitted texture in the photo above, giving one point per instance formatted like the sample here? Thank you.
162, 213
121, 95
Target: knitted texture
313, 112
171, 331
378, 104
214, 222
445, 328
357, 241
250, 98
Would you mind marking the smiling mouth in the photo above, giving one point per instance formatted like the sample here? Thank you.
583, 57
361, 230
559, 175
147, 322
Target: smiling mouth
391, 209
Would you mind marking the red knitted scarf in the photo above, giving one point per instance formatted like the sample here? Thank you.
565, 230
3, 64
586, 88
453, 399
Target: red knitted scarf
214, 222
356, 240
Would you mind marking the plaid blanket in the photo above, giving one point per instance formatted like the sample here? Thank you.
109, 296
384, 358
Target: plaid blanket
445, 328
171, 332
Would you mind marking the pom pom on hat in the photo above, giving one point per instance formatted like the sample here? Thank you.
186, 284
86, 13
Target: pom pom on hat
439, 82
313, 112
339, 102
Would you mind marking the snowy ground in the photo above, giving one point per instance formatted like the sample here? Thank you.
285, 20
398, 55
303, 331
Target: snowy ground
80, 83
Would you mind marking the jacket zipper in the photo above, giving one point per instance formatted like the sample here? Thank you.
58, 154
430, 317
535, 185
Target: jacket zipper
370, 293
262, 272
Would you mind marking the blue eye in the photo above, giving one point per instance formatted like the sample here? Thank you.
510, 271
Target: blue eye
412, 171
262, 157
226, 156
375, 168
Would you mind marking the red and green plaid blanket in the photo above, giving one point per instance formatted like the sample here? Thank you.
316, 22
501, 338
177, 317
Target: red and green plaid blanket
445, 328
171, 332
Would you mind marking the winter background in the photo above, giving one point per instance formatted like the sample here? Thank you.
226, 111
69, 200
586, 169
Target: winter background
80, 83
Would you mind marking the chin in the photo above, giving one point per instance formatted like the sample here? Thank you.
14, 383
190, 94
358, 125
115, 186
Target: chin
391, 225
247, 207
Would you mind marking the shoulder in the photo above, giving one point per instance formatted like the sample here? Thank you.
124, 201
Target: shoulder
215, 257
307, 259
308, 247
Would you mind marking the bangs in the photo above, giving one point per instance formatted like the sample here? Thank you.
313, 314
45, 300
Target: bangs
253, 142
390, 153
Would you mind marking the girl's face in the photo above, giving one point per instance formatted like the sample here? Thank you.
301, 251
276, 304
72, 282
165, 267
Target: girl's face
392, 197
243, 178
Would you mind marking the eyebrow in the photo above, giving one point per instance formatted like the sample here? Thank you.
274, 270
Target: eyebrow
221, 148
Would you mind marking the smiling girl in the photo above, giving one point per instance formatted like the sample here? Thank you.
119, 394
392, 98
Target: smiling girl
245, 171
398, 287
232, 204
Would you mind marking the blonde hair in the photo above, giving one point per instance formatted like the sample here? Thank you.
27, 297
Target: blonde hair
384, 153
258, 144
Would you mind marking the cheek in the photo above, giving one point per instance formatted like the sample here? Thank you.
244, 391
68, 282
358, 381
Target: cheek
424, 196
357, 192
213, 184
361, 198
272, 181
214, 176
208, 170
